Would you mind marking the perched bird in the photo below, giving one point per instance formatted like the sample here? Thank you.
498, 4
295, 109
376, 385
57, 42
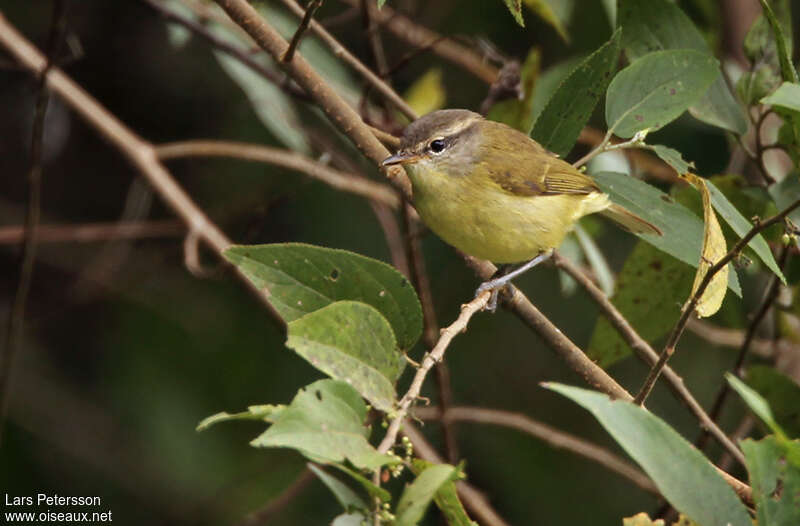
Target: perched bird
495, 193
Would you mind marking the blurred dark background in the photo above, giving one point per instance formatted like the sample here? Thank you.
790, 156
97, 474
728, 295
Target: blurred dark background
125, 351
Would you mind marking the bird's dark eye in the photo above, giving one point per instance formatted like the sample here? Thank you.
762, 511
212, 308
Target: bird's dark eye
437, 145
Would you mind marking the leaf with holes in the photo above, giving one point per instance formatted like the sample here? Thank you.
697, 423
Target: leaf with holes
325, 422
655, 89
673, 158
303, 278
352, 342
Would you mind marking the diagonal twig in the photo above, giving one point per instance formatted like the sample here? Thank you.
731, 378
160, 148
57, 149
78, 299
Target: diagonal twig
313, 5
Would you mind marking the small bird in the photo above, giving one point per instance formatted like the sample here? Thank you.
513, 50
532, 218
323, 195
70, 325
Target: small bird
495, 193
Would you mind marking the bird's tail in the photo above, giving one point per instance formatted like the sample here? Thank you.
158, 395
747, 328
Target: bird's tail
630, 221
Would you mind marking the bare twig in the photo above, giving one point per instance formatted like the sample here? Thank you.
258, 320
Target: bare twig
647, 354
139, 152
293, 161
337, 110
729, 337
16, 316
341, 52
93, 232
552, 436
313, 5
770, 295
240, 54
475, 501
368, 9
419, 36
419, 276
689, 307
649, 163
431, 359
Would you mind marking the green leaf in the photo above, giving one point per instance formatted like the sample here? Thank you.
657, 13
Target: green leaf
783, 44
781, 392
303, 278
349, 519
381, 3
548, 83
787, 96
515, 6
752, 87
446, 497
349, 499
683, 475
658, 25
419, 494
742, 226
352, 342
544, 10
651, 287
655, 89
372, 490
519, 113
262, 413
325, 422
673, 158
683, 231
773, 466
570, 107
756, 403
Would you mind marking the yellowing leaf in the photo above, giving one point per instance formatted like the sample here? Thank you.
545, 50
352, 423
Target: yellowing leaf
642, 519
714, 249
427, 94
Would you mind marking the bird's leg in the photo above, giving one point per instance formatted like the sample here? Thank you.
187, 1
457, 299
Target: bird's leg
497, 284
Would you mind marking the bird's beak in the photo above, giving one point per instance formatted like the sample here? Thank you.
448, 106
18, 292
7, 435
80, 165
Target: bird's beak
400, 158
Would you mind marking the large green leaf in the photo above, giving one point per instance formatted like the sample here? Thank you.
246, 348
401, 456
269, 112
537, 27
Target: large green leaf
303, 278
757, 404
325, 422
774, 469
656, 25
683, 475
352, 342
651, 287
446, 498
781, 392
683, 231
742, 226
785, 193
419, 494
655, 89
548, 83
544, 10
570, 107
348, 499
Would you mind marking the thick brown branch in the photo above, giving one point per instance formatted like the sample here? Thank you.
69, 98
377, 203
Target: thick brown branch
293, 161
552, 436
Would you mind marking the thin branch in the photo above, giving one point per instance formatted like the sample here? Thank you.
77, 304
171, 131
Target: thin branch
550, 435
16, 316
648, 163
138, 151
422, 284
646, 353
422, 37
93, 232
368, 9
565, 348
431, 359
689, 307
338, 111
293, 161
279, 503
313, 5
607, 145
475, 501
341, 52
770, 295
240, 54
726, 337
